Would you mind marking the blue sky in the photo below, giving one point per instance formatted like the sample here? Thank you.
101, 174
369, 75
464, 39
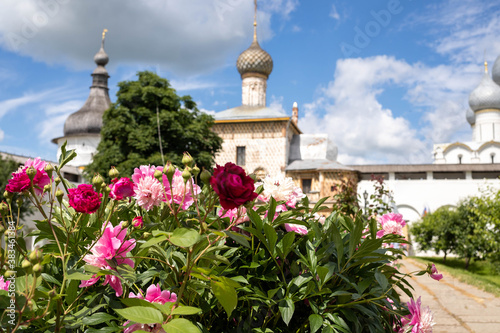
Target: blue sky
385, 79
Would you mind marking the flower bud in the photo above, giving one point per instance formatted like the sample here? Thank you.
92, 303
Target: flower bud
26, 264
2, 229
10, 273
31, 172
187, 160
106, 189
37, 269
47, 188
59, 195
97, 182
158, 175
169, 170
137, 222
146, 235
4, 208
57, 180
113, 173
48, 169
52, 293
205, 176
186, 175
19, 200
124, 224
196, 171
8, 194
35, 255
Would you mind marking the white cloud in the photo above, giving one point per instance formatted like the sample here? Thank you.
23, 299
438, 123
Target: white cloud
181, 36
2, 135
55, 115
350, 111
334, 13
190, 84
277, 104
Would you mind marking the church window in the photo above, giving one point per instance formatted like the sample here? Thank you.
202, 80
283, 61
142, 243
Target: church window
460, 159
306, 185
492, 157
240, 155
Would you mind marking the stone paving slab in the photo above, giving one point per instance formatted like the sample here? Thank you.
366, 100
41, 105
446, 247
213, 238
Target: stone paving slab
457, 307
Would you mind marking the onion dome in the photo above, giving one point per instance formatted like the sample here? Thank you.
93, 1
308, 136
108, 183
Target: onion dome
470, 116
254, 59
486, 95
88, 120
496, 71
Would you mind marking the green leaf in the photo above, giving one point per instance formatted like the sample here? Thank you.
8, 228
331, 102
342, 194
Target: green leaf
271, 236
50, 278
141, 315
318, 204
97, 318
285, 244
225, 294
183, 237
238, 238
65, 156
271, 211
381, 279
153, 241
78, 276
339, 243
186, 310
355, 236
287, 308
255, 218
180, 325
315, 322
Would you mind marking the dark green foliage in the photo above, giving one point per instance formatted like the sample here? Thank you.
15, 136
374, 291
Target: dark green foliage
130, 130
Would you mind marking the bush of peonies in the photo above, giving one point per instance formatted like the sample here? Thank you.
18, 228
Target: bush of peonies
158, 252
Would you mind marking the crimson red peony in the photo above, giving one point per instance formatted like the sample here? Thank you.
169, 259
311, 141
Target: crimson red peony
232, 185
84, 199
121, 189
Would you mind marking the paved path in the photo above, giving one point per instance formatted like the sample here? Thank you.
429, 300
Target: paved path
457, 307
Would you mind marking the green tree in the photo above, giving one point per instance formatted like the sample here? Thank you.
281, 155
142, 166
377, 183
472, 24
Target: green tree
438, 231
129, 136
7, 167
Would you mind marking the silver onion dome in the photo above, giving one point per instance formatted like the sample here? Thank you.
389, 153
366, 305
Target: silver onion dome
470, 116
495, 71
255, 60
486, 95
88, 120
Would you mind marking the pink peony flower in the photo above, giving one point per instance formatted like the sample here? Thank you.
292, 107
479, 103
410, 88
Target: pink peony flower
297, 228
233, 215
20, 182
180, 193
391, 223
434, 273
84, 199
419, 320
4, 285
320, 218
144, 171
107, 253
154, 294
137, 222
121, 189
148, 192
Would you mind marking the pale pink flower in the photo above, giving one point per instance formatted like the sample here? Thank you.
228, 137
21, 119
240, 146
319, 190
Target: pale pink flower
434, 273
320, 218
144, 171
181, 193
233, 214
4, 285
281, 188
279, 209
420, 320
148, 192
154, 294
107, 253
391, 223
297, 228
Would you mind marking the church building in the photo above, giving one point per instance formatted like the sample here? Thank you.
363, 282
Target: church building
265, 141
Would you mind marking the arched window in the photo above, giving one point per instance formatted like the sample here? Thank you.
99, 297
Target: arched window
460, 158
492, 155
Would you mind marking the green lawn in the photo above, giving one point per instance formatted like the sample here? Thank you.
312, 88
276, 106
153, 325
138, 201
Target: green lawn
481, 274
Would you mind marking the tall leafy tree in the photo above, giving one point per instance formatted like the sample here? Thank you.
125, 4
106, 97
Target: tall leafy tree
129, 136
